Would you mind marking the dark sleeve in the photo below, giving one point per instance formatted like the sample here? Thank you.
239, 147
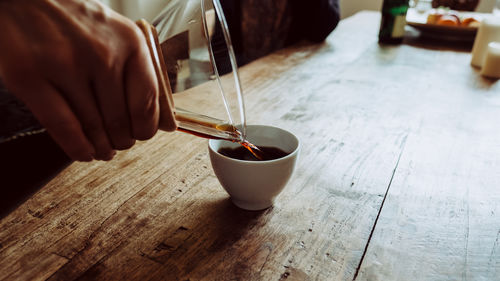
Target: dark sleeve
313, 20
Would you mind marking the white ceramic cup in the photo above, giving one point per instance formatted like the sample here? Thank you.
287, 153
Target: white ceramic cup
491, 65
489, 31
253, 185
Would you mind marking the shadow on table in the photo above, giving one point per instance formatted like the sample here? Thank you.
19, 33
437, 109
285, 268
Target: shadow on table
230, 223
219, 226
26, 165
482, 82
416, 39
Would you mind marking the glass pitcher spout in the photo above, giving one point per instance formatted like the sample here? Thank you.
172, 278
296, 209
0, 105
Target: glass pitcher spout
206, 126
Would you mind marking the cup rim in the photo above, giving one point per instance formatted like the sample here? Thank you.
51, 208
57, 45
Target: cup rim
211, 142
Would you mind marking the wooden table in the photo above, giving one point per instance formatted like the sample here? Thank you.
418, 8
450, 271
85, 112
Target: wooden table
398, 179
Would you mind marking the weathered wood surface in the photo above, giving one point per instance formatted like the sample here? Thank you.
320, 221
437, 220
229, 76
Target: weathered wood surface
413, 126
440, 220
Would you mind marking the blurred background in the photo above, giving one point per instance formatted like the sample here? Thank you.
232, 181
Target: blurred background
350, 7
147, 9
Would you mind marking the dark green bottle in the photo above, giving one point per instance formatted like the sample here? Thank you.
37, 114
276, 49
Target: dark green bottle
392, 26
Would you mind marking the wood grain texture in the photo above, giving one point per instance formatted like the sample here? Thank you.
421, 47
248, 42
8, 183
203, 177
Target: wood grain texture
440, 220
374, 123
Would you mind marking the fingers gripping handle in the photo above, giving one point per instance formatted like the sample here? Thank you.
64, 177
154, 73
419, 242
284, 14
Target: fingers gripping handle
167, 110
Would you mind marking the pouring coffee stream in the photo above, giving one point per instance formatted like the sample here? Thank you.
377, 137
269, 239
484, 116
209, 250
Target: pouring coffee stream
186, 121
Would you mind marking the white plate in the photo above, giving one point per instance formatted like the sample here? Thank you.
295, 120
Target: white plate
464, 33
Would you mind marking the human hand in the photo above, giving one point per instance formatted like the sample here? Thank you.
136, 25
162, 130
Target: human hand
83, 70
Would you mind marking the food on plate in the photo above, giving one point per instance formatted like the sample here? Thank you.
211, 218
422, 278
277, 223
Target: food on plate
454, 15
470, 22
451, 18
448, 20
433, 18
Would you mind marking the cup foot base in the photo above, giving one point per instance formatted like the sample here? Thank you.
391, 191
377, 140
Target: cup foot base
252, 206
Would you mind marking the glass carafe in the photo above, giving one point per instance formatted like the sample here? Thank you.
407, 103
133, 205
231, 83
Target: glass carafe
190, 45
